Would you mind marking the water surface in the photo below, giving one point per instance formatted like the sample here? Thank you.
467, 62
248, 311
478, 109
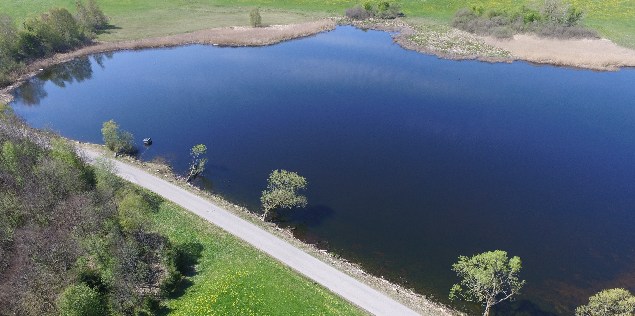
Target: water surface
411, 160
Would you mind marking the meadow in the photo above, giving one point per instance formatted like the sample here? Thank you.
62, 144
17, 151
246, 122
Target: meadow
614, 19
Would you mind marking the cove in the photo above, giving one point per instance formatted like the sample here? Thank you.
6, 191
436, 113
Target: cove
411, 160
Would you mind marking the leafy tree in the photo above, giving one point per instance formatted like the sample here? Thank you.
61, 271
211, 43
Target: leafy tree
197, 165
254, 18
81, 300
56, 31
90, 16
488, 278
613, 302
282, 192
121, 142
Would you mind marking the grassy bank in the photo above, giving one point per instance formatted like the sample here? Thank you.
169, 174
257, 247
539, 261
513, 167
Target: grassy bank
234, 278
145, 18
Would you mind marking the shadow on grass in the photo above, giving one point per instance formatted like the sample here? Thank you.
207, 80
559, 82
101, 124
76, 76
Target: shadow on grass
187, 256
108, 29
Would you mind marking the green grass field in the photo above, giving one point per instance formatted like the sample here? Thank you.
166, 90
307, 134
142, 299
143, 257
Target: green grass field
614, 19
233, 278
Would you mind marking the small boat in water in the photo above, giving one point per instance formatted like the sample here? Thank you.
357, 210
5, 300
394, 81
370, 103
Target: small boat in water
147, 141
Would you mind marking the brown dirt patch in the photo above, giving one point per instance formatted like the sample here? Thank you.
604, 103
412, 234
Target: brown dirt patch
598, 54
226, 36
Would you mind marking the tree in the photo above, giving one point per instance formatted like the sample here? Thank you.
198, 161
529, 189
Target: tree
80, 299
90, 16
197, 165
56, 31
121, 142
613, 302
254, 18
282, 192
488, 278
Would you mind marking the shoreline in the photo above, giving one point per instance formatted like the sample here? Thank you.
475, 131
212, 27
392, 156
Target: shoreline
417, 302
449, 43
225, 37
441, 41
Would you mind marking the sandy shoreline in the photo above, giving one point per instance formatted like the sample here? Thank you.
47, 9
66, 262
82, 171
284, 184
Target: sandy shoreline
449, 43
595, 54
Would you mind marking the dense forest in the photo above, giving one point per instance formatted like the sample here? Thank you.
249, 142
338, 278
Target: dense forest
73, 239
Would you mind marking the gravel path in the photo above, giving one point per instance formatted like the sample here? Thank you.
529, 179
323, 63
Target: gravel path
347, 287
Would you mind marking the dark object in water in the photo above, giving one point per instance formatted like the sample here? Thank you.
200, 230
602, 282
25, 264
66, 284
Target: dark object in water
147, 141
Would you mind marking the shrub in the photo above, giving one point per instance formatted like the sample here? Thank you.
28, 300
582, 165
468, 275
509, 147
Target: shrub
357, 13
57, 31
255, 20
81, 300
121, 142
555, 19
132, 210
380, 9
8, 48
90, 17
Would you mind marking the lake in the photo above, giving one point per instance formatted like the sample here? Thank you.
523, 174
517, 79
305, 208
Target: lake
411, 160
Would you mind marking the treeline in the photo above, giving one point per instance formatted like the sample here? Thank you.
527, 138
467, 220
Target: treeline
374, 9
74, 239
555, 19
52, 32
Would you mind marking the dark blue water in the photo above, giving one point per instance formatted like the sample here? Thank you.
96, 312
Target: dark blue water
411, 160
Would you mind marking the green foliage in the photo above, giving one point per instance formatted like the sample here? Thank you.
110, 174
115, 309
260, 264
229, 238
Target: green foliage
56, 31
133, 210
81, 300
282, 192
8, 48
90, 17
613, 302
255, 20
554, 19
197, 165
375, 9
488, 278
51, 32
121, 142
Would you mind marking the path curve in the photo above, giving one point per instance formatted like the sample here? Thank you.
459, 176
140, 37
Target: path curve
336, 281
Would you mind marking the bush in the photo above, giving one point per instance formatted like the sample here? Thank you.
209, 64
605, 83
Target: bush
132, 209
81, 300
255, 20
57, 31
121, 142
555, 19
357, 13
380, 9
90, 17
8, 48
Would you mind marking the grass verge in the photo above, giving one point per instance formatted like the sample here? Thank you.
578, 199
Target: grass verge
233, 278
147, 18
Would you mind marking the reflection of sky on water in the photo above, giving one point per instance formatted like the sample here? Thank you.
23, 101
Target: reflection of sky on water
411, 160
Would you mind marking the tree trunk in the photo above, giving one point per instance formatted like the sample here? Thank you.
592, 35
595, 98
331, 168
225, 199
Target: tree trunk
487, 308
266, 215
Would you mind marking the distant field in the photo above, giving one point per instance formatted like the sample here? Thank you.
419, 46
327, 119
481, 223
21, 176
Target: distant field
615, 19
234, 278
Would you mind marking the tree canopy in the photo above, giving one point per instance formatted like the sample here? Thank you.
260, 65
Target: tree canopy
197, 165
119, 141
282, 191
613, 302
488, 278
